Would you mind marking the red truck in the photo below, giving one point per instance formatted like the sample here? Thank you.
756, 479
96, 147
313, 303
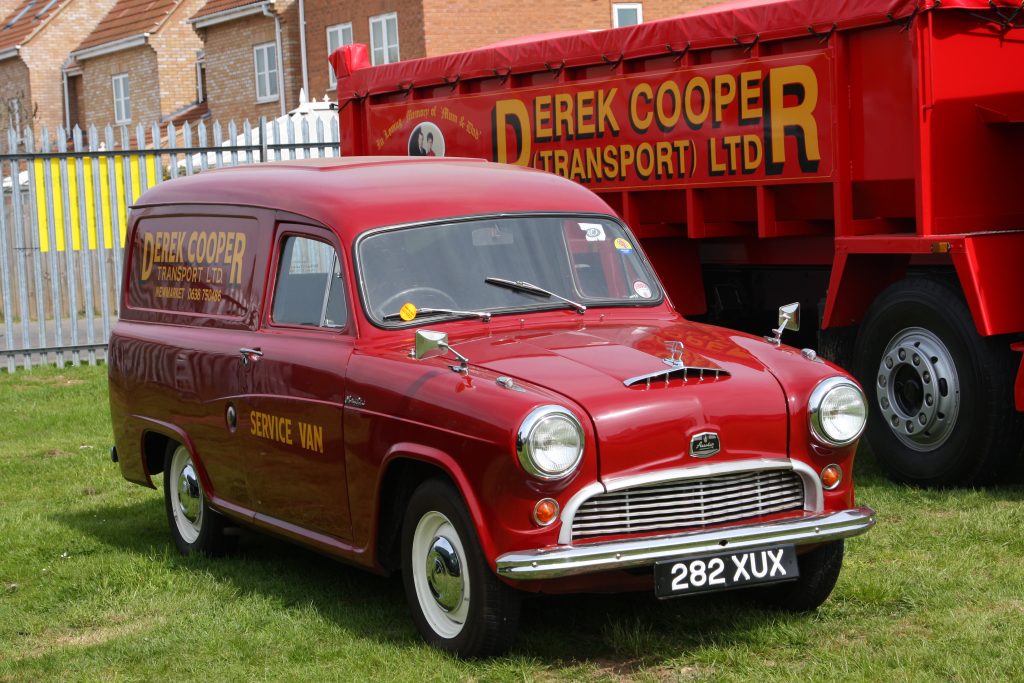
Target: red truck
858, 157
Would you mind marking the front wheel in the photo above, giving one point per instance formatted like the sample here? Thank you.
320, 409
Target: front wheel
819, 571
941, 396
195, 527
457, 603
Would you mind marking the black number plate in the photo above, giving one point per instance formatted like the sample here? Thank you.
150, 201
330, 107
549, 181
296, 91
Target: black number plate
723, 571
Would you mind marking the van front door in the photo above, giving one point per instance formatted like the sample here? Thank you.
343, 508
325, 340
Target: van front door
291, 423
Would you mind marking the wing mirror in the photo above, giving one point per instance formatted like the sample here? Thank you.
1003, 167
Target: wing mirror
430, 344
789, 319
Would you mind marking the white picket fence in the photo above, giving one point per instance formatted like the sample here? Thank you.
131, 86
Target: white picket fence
64, 211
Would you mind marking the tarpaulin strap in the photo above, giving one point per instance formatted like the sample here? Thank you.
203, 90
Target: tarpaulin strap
747, 46
452, 82
556, 71
1005, 21
677, 55
822, 36
405, 87
502, 77
906, 22
614, 62
354, 97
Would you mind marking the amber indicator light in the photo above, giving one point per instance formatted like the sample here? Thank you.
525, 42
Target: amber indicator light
545, 511
831, 476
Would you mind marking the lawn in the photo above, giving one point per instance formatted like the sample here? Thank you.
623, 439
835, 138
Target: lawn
92, 589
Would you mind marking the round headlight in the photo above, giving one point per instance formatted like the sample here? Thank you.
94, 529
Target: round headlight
550, 442
838, 411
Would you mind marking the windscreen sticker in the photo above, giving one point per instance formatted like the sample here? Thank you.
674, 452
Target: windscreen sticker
593, 231
407, 312
623, 245
641, 288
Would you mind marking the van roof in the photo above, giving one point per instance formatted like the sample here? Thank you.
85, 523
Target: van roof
352, 194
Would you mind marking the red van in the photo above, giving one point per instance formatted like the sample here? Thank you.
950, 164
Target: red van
468, 373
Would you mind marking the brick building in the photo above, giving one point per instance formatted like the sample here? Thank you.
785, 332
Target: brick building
138, 65
31, 87
243, 38
252, 58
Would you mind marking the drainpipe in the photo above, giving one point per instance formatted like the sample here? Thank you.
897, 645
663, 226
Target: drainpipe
302, 47
67, 104
280, 54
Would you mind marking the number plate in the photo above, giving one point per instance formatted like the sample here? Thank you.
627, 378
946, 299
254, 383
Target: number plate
725, 571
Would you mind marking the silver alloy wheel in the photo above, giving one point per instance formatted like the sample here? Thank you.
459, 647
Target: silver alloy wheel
918, 390
439, 574
186, 495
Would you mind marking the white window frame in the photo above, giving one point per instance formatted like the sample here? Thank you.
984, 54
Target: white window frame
268, 82
384, 49
627, 6
122, 101
340, 30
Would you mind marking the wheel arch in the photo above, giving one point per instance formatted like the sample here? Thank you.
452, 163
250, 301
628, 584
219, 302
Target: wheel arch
155, 436
405, 467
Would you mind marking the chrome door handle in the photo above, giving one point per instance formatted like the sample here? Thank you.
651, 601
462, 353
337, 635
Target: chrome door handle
250, 355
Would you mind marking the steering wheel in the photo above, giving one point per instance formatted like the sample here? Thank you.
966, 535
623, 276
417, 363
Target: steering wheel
401, 297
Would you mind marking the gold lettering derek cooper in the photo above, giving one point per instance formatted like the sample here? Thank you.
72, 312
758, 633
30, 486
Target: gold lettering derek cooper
206, 254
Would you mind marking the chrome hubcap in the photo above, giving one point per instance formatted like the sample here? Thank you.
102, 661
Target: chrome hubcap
444, 574
188, 493
917, 389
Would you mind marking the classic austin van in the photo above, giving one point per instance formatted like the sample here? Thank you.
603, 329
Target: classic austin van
467, 373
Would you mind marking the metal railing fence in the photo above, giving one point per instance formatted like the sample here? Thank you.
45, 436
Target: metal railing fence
64, 210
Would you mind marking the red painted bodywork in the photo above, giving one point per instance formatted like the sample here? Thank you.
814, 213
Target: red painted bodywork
918, 119
174, 372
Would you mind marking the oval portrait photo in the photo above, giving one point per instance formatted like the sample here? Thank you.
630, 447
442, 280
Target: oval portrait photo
426, 141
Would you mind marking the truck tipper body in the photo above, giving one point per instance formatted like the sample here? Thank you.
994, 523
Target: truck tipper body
860, 157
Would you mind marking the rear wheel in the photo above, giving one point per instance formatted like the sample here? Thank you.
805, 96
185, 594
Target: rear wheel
195, 527
819, 571
458, 604
941, 396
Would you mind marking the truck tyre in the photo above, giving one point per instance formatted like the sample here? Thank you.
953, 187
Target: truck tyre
457, 602
819, 571
940, 396
195, 527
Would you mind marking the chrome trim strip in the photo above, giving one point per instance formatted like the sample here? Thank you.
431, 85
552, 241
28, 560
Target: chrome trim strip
814, 499
550, 563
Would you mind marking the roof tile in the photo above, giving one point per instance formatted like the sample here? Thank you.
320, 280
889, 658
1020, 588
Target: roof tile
28, 16
129, 18
214, 6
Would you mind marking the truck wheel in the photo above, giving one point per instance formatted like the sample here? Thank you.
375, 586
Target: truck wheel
819, 571
940, 394
195, 527
457, 602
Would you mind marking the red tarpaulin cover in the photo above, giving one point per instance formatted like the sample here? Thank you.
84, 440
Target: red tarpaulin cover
716, 25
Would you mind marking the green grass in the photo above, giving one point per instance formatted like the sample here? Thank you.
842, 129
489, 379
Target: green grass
91, 589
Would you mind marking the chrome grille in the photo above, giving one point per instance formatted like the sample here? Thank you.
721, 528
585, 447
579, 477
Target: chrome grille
687, 503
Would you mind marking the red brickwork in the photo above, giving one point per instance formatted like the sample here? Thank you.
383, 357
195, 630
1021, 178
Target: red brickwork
14, 86
323, 13
140, 63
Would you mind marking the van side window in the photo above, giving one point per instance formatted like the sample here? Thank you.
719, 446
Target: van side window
309, 289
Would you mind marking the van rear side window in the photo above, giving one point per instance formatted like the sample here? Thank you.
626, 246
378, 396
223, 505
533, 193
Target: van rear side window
309, 289
199, 265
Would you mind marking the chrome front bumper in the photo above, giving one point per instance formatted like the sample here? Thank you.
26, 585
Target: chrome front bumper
570, 560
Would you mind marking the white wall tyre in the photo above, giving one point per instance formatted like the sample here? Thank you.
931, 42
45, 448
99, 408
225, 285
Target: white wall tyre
457, 602
195, 527
940, 396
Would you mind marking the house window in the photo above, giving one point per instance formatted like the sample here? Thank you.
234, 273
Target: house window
265, 60
627, 14
122, 100
384, 38
336, 37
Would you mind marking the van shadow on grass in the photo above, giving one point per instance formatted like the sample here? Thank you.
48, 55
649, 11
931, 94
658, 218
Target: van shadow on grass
619, 633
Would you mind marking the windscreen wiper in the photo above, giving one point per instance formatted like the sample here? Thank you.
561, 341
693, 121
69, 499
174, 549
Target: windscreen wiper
483, 315
520, 286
